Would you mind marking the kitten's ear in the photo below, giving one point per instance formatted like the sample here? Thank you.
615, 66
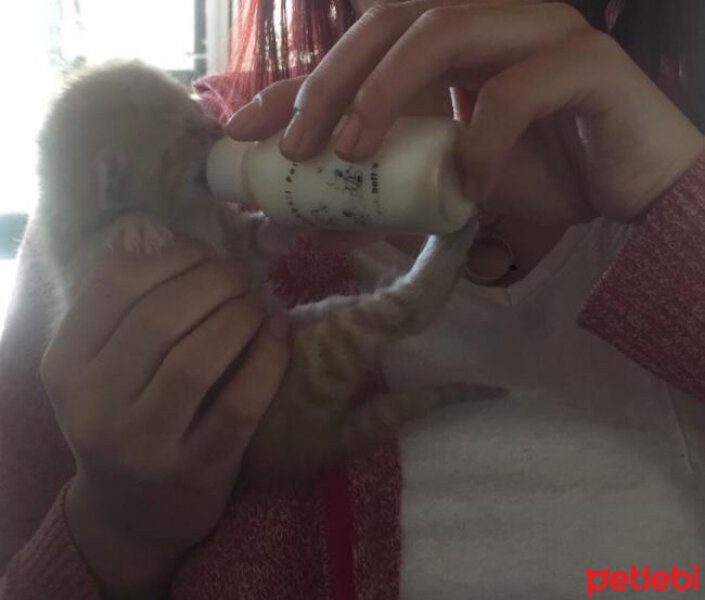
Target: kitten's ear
113, 182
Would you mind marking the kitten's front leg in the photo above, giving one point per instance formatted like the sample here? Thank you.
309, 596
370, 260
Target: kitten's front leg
137, 233
255, 235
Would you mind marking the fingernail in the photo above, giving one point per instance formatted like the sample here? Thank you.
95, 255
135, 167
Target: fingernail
291, 141
244, 120
339, 127
278, 326
367, 144
349, 134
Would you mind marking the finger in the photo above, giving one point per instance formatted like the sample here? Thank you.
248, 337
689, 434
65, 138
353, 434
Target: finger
170, 401
227, 427
161, 318
267, 113
331, 86
456, 40
561, 79
111, 289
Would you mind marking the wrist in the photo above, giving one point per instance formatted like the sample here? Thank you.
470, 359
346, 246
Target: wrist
692, 149
126, 567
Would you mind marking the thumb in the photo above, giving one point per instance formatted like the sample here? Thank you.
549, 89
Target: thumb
545, 84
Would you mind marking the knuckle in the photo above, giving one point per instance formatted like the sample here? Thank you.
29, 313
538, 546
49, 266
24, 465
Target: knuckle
227, 280
154, 326
566, 13
380, 14
241, 417
316, 91
181, 375
250, 310
283, 87
497, 95
373, 100
453, 22
242, 316
593, 43
437, 20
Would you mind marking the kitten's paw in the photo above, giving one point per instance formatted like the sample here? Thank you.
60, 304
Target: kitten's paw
138, 233
248, 231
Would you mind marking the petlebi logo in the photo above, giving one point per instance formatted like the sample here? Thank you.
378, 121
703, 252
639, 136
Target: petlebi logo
645, 579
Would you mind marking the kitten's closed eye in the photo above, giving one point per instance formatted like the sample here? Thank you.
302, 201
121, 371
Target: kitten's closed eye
112, 181
201, 176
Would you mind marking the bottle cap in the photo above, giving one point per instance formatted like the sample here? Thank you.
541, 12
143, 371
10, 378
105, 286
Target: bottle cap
225, 173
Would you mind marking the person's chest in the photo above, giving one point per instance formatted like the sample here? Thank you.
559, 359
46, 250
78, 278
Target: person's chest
584, 465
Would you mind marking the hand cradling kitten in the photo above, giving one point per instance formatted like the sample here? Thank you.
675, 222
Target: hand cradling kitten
122, 159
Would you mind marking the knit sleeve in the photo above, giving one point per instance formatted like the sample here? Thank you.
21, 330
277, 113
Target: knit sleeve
49, 565
38, 559
650, 304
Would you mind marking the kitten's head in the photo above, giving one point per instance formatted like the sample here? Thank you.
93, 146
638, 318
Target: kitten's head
121, 137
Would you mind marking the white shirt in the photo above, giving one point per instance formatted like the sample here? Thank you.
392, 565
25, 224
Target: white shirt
591, 462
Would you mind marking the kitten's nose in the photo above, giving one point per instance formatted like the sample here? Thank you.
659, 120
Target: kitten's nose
214, 130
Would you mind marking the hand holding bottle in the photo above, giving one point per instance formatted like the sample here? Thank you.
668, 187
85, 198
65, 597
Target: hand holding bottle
561, 124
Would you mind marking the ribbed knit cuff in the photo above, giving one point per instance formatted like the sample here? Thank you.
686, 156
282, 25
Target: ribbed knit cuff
650, 304
50, 566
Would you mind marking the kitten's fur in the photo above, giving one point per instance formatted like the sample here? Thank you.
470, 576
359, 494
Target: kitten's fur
121, 162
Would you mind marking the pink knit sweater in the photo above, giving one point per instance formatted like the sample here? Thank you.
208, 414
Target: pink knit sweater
340, 538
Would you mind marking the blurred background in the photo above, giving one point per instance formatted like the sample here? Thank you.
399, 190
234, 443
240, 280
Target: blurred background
43, 40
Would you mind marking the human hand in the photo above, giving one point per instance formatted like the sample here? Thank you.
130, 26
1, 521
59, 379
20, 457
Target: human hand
129, 373
557, 108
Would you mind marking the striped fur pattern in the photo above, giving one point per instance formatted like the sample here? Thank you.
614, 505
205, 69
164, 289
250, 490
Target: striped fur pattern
119, 163
335, 343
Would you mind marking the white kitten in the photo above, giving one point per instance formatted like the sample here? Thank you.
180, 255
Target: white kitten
122, 162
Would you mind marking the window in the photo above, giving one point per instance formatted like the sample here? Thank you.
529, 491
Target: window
42, 40
165, 33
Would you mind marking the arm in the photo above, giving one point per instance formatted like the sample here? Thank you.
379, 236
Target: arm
49, 565
650, 304
37, 556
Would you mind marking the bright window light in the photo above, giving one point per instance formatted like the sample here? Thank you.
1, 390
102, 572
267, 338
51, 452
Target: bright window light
8, 269
27, 82
160, 32
42, 40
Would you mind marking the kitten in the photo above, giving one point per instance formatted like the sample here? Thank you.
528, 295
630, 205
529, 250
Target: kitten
122, 161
